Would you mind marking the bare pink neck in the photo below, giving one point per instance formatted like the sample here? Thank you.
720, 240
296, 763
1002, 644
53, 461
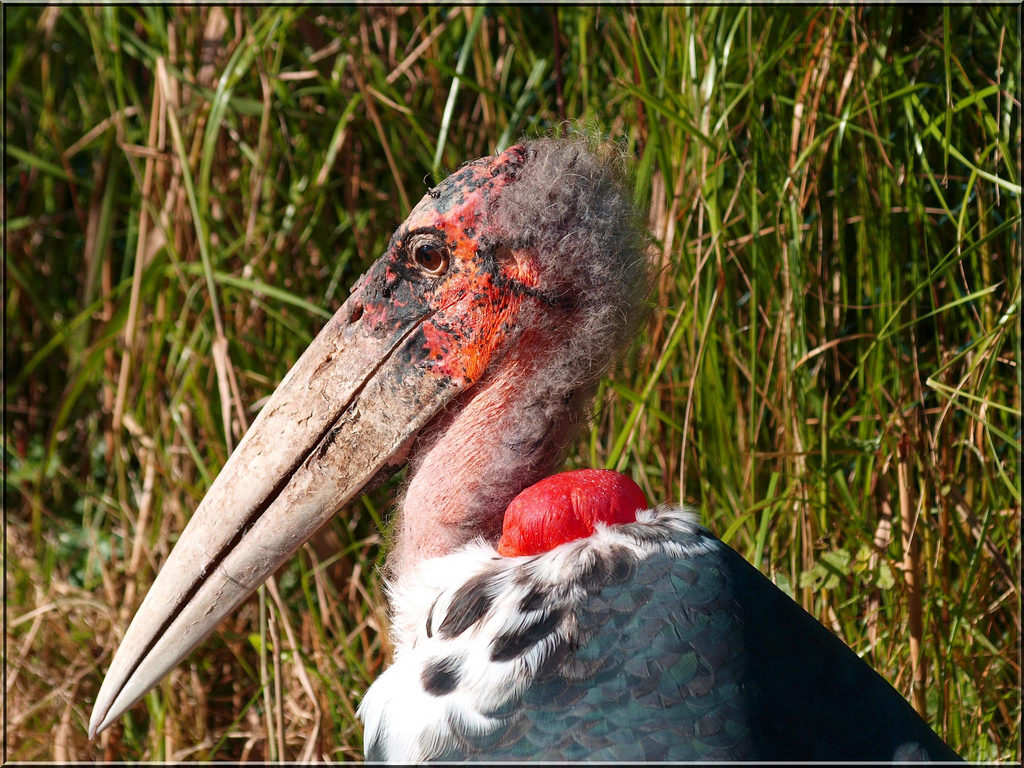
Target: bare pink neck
511, 431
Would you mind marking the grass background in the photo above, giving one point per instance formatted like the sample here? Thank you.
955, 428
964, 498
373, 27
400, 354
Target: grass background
830, 370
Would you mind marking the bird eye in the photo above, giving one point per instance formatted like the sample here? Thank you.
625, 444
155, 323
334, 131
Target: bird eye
431, 258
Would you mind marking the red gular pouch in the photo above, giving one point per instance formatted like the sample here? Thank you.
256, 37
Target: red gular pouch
565, 507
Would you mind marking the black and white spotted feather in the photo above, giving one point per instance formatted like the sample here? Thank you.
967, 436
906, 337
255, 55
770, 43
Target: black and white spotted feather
650, 641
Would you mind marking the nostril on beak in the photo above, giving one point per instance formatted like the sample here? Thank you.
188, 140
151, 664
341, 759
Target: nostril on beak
357, 312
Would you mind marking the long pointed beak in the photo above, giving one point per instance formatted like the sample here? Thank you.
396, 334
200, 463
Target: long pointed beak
342, 419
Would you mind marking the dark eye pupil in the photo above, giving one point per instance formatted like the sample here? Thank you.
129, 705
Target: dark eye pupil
430, 258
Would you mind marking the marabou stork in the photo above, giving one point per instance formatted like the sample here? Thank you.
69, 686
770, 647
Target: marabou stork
470, 350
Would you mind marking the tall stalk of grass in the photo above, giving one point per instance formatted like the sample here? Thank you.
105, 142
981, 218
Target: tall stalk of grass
830, 371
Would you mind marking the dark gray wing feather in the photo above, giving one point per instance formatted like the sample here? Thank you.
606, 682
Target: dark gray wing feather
700, 657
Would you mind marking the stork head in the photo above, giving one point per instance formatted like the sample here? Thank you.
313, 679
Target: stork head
510, 287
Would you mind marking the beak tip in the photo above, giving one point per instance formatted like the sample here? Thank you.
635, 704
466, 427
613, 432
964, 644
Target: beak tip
104, 712
94, 726
98, 723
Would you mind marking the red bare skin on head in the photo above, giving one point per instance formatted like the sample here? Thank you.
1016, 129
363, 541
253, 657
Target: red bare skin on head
476, 308
471, 300
565, 507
